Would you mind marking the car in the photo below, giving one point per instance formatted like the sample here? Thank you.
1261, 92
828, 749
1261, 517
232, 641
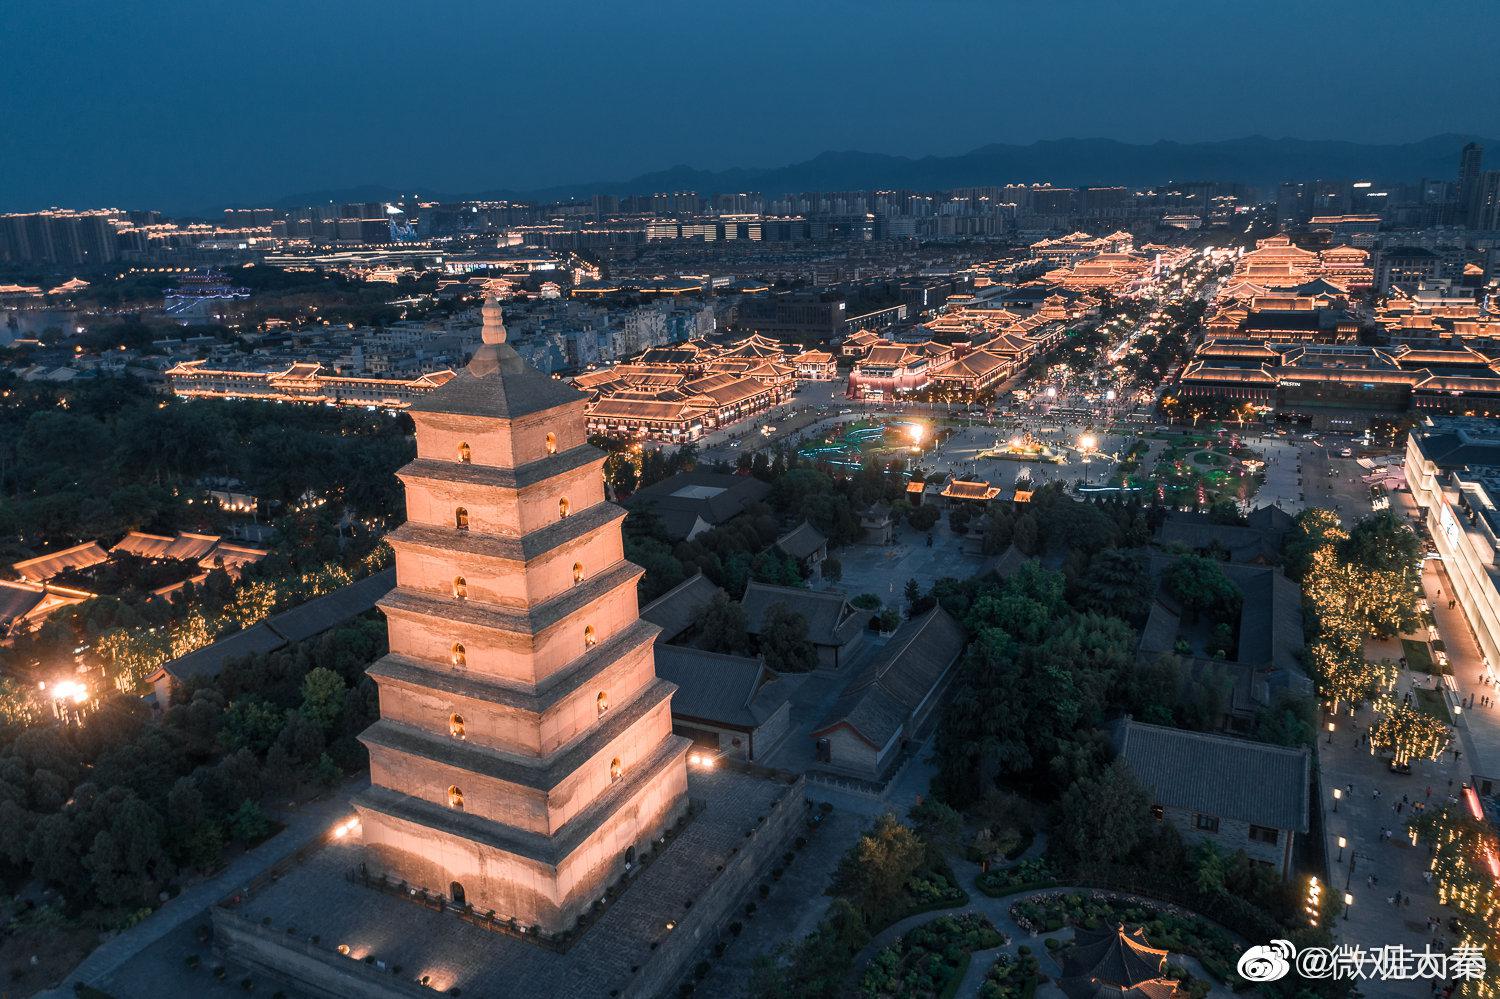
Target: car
1309, 437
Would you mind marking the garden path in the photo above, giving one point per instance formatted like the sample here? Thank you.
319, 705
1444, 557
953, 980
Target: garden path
997, 911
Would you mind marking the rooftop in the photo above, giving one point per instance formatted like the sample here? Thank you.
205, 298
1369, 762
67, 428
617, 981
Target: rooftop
1218, 774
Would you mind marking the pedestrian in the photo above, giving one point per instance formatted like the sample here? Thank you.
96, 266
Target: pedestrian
1376, 794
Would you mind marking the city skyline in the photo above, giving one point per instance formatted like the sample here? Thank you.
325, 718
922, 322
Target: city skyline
520, 102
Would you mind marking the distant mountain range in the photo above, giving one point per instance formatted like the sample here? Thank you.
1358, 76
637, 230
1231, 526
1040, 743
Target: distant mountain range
1255, 160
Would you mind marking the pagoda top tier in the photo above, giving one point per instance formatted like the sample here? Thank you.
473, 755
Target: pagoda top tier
497, 383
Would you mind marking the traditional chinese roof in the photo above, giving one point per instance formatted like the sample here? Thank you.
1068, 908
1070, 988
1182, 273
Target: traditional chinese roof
964, 489
831, 619
183, 548
1218, 775
801, 541
678, 609
1116, 964
894, 686
732, 691
44, 567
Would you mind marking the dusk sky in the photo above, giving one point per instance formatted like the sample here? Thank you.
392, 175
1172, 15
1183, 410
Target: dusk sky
177, 104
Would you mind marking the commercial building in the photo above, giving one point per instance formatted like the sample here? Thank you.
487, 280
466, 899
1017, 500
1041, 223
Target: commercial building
1356, 382
1453, 470
305, 382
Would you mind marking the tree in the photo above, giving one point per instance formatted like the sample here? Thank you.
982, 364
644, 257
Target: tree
874, 875
1313, 529
923, 518
1118, 582
1382, 541
249, 823
127, 860
1463, 853
833, 569
939, 825
722, 626
1290, 720
912, 593
1200, 586
1404, 732
322, 697
784, 643
250, 723
1104, 818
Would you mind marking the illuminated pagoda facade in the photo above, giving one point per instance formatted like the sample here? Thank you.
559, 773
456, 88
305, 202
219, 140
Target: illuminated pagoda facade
524, 752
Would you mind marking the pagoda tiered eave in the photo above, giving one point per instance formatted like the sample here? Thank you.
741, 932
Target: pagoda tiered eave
530, 773
416, 673
526, 548
529, 474
529, 624
549, 850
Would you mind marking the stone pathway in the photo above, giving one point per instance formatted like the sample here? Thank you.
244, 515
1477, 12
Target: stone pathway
997, 911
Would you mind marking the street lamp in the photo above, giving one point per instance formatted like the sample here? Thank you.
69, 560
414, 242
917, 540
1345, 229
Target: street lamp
1338, 793
1348, 902
1342, 843
1330, 733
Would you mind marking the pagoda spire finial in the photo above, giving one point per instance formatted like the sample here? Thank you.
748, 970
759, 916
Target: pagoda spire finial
494, 324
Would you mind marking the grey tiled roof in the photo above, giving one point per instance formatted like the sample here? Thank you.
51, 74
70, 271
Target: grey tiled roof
1270, 627
801, 541
331, 609
678, 513
1243, 543
831, 619
208, 661
16, 602
301, 622
1218, 774
885, 694
678, 609
712, 687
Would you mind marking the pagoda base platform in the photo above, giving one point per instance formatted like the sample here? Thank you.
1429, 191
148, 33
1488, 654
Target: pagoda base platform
322, 933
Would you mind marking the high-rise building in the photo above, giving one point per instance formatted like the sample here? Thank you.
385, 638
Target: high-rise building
1470, 166
1484, 208
525, 750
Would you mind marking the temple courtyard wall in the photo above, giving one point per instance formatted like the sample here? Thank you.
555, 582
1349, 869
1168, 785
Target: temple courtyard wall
664, 918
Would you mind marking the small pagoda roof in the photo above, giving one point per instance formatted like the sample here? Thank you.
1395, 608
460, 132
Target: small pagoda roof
1114, 962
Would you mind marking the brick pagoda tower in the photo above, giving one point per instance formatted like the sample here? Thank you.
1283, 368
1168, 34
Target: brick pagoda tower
524, 751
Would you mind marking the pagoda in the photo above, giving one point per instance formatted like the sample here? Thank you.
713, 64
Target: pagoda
524, 751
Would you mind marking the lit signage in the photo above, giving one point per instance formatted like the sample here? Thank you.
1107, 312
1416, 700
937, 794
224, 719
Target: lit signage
1449, 526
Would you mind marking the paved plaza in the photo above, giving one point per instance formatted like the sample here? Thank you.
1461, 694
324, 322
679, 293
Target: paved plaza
317, 897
